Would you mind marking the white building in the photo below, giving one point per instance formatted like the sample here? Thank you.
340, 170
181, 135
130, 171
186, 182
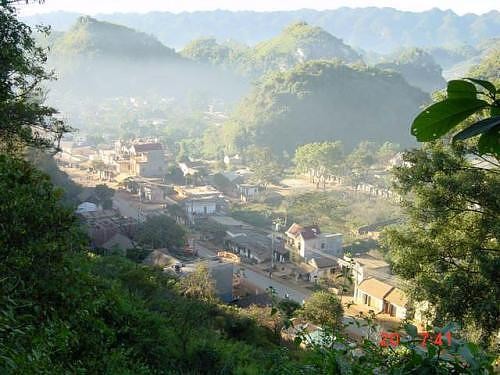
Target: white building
306, 239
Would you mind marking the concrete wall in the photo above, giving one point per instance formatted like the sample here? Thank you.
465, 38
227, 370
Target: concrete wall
222, 273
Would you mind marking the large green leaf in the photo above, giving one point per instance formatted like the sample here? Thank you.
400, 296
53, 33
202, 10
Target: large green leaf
440, 118
458, 88
486, 84
477, 128
489, 142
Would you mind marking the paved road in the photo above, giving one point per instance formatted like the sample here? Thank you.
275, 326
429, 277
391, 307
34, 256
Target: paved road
264, 282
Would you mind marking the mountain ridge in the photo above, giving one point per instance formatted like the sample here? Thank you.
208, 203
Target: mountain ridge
378, 29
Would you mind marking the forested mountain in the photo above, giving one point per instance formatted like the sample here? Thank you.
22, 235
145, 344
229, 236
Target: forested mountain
378, 29
488, 66
456, 62
230, 55
300, 42
297, 43
418, 68
323, 100
92, 38
96, 59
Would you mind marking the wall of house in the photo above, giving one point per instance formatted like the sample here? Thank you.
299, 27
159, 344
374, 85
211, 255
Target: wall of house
375, 303
201, 208
332, 244
154, 167
222, 274
400, 312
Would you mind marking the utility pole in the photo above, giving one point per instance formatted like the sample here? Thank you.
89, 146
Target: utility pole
276, 226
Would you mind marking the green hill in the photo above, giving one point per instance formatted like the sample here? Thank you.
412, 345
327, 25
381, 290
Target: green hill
418, 68
300, 42
230, 55
489, 65
93, 38
297, 43
322, 100
97, 59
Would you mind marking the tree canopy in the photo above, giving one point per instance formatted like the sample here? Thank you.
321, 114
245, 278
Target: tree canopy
161, 231
448, 250
24, 119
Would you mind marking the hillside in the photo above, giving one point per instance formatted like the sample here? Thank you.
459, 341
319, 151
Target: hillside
322, 100
92, 38
96, 60
378, 29
297, 43
488, 66
230, 55
418, 68
457, 62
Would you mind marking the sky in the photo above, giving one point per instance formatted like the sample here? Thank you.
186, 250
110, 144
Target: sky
91, 7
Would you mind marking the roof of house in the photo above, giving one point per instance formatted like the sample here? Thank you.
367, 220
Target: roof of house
258, 244
375, 288
158, 258
120, 241
86, 207
397, 297
378, 226
324, 262
307, 232
145, 147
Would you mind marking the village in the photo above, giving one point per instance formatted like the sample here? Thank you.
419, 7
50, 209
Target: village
248, 263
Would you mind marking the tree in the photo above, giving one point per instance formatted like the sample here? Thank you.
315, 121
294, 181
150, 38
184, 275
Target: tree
264, 164
24, 119
386, 152
448, 250
105, 196
323, 308
463, 100
161, 231
199, 284
321, 160
212, 231
362, 157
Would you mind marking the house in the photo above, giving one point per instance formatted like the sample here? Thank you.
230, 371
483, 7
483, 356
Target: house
101, 226
233, 161
199, 201
147, 160
248, 192
221, 273
310, 334
370, 264
151, 192
304, 240
193, 171
118, 242
382, 297
159, 258
373, 230
86, 207
248, 244
324, 267
372, 292
396, 304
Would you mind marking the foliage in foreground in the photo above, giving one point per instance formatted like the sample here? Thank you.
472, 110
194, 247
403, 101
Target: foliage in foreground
463, 100
448, 251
